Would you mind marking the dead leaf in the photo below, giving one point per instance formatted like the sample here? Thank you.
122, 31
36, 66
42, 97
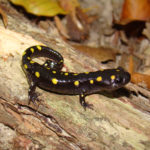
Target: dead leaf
138, 78
141, 79
135, 10
78, 25
100, 53
77, 21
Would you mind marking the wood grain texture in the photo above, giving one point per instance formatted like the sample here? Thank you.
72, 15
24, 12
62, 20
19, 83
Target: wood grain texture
59, 122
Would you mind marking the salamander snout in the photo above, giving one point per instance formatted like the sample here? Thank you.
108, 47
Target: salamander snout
121, 79
126, 78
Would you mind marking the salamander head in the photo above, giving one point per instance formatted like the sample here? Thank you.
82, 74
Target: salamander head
115, 78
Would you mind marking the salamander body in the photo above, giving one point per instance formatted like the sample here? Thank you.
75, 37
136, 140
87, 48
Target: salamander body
50, 77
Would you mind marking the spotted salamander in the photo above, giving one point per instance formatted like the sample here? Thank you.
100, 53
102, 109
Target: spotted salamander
49, 76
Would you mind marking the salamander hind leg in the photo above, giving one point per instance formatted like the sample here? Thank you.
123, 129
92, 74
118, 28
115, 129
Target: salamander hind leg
83, 103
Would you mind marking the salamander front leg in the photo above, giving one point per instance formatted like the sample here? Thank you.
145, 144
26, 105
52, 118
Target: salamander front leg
83, 103
32, 95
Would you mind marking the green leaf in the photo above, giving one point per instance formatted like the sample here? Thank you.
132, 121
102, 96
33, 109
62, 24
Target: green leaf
41, 7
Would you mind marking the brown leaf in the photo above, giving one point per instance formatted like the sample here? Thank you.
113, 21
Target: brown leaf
78, 25
76, 30
77, 21
100, 53
141, 79
138, 78
135, 10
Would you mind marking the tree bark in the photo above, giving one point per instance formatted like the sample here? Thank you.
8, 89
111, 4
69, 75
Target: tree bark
58, 121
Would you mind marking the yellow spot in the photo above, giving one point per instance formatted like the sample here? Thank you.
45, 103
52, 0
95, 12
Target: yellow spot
32, 50
76, 83
24, 53
66, 73
99, 79
39, 47
37, 74
86, 72
101, 69
45, 65
25, 66
32, 62
61, 61
54, 81
91, 81
48, 68
75, 74
112, 77
117, 70
28, 58
54, 72
82, 95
